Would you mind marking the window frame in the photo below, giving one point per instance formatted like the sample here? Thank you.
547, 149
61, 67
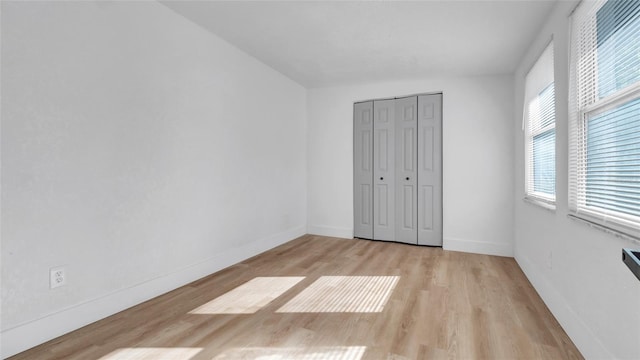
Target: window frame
542, 199
621, 223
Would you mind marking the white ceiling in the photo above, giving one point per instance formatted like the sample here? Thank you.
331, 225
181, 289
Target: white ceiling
326, 43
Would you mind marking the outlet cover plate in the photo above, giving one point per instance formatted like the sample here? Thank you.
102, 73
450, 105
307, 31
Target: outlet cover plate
57, 277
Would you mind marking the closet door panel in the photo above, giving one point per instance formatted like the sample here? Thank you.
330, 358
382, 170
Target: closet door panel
383, 170
406, 170
363, 170
430, 170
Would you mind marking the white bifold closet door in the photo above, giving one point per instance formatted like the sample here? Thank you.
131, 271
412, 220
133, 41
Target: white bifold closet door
383, 170
363, 169
398, 170
406, 164
430, 170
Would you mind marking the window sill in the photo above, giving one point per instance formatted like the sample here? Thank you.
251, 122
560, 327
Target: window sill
617, 233
551, 207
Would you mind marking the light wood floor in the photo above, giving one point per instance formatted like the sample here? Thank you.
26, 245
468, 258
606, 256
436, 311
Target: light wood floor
443, 305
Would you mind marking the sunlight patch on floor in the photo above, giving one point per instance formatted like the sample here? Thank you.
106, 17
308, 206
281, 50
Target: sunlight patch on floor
152, 354
250, 296
348, 294
311, 353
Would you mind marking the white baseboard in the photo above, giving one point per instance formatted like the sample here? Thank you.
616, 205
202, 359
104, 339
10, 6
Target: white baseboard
477, 247
331, 231
584, 339
33, 333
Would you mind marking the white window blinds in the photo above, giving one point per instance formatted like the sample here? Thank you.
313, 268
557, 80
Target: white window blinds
540, 138
604, 119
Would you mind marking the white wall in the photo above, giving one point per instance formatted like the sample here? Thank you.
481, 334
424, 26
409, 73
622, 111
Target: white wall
477, 158
576, 269
141, 152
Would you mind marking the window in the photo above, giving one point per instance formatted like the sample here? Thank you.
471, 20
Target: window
605, 114
540, 142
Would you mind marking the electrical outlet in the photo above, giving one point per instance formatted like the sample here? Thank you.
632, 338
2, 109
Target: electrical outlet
57, 277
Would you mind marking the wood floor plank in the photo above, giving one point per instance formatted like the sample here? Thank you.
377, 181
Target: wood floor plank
444, 305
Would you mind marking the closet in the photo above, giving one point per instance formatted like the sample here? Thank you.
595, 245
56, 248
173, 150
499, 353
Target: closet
398, 169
